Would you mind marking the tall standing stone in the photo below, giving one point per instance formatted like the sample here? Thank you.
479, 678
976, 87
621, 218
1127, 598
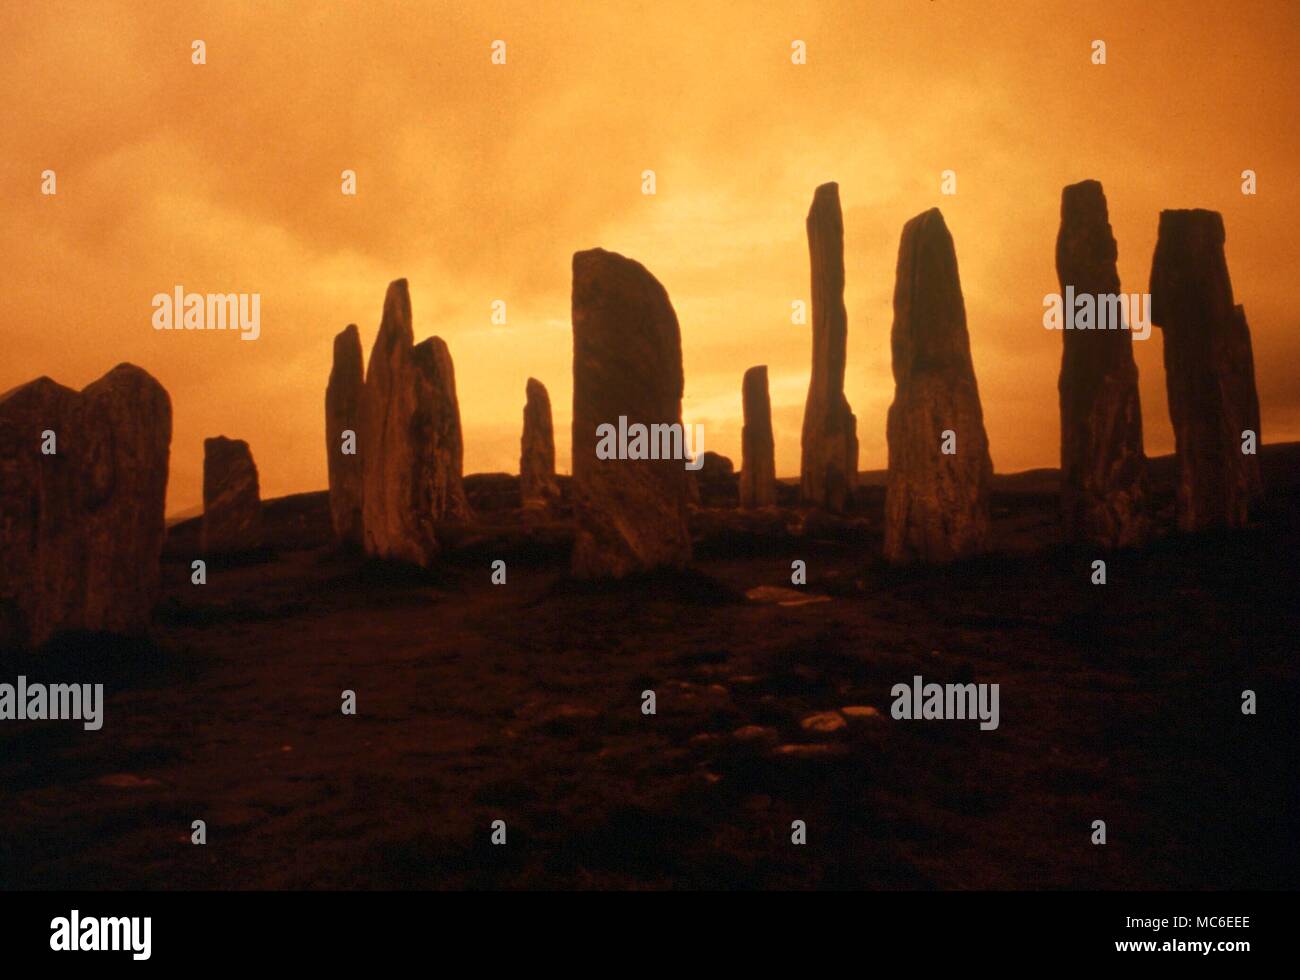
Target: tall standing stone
342, 416
1103, 468
758, 452
1209, 371
83, 484
412, 450
232, 502
538, 487
630, 514
936, 501
829, 467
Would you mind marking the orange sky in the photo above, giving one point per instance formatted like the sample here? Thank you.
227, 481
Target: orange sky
478, 182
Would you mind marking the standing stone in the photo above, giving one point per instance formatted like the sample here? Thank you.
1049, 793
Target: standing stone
1209, 371
1240, 385
538, 487
758, 450
1103, 468
232, 503
343, 414
715, 483
446, 482
412, 450
829, 468
81, 531
630, 514
936, 504
391, 459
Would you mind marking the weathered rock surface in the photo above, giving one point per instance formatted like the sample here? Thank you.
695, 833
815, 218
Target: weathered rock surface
829, 466
343, 414
232, 502
758, 452
1104, 491
630, 514
538, 487
81, 529
447, 485
1209, 371
936, 504
412, 450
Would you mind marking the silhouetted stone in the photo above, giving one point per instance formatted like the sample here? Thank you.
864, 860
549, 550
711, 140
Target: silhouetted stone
829, 466
715, 483
630, 514
1240, 385
412, 452
397, 449
1103, 468
232, 503
447, 487
343, 414
81, 530
936, 504
1209, 371
537, 483
758, 459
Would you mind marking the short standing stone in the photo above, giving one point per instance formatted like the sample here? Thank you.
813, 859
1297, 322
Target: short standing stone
232, 503
538, 487
936, 502
1209, 371
342, 416
630, 514
758, 460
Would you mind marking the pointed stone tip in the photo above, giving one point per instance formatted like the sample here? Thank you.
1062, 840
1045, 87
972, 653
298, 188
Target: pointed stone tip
534, 385
396, 320
927, 224
397, 296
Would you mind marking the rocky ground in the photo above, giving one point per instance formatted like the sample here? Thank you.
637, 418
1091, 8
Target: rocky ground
522, 702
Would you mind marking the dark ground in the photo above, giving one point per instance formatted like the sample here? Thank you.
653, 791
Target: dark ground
522, 703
